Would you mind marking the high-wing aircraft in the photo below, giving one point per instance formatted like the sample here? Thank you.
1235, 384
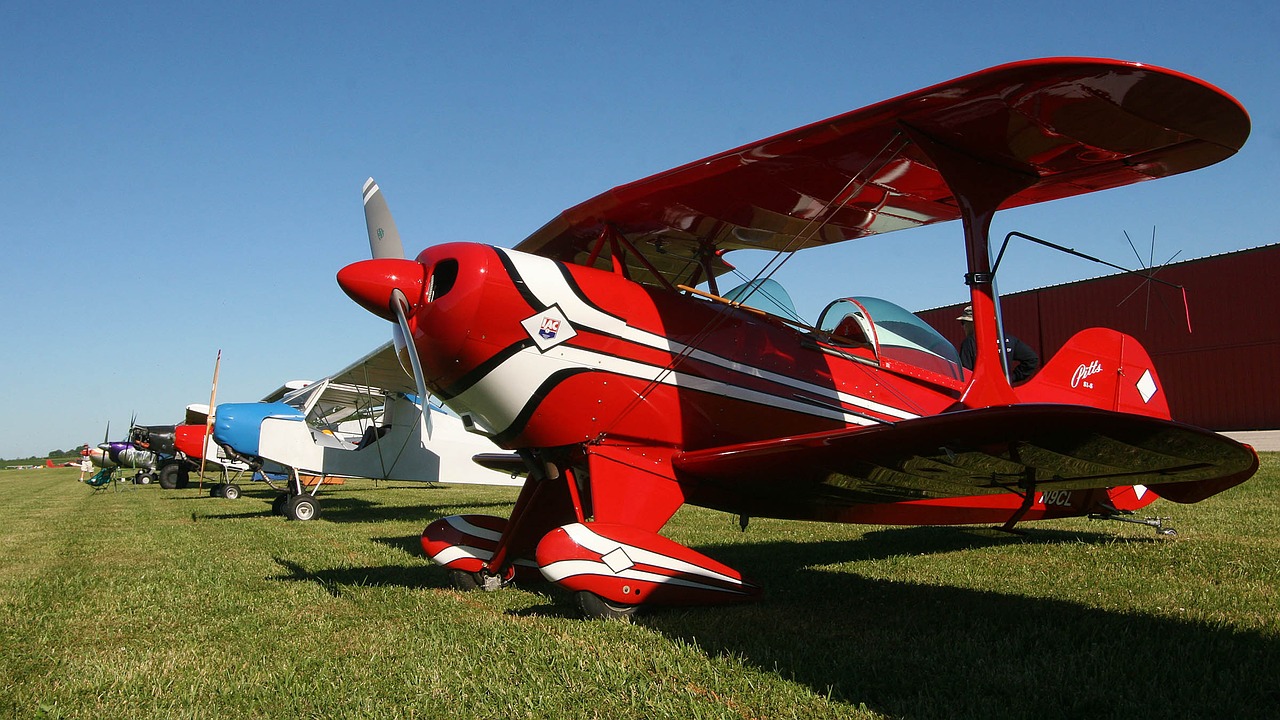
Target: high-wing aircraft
180, 449
627, 392
363, 421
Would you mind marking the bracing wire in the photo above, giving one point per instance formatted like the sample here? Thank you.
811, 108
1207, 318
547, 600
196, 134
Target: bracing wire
810, 230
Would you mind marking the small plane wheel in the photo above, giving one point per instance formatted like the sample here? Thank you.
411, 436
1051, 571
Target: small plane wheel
231, 492
215, 490
301, 507
465, 581
277, 505
142, 479
594, 607
169, 476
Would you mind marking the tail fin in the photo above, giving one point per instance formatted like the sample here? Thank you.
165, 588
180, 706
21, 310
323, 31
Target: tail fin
1100, 368
48, 462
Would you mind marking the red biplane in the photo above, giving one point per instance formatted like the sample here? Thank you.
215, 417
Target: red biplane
626, 392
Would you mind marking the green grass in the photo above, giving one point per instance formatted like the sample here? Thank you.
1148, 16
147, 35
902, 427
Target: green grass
152, 603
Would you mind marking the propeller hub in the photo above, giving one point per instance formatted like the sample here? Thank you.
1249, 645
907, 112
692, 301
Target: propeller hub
371, 284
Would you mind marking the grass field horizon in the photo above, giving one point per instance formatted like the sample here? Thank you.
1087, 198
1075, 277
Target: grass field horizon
146, 603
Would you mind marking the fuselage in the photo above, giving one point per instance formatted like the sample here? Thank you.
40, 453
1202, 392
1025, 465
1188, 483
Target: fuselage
121, 454
543, 354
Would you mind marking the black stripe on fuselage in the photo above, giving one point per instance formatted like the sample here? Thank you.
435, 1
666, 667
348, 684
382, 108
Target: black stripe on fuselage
522, 418
532, 299
521, 286
577, 290
726, 392
479, 372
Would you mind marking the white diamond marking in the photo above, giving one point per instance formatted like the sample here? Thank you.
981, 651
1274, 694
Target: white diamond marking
548, 329
617, 560
1147, 386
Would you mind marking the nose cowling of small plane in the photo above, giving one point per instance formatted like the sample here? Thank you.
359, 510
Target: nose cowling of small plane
239, 425
371, 282
189, 439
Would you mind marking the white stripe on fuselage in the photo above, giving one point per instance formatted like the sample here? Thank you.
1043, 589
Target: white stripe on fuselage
543, 278
497, 399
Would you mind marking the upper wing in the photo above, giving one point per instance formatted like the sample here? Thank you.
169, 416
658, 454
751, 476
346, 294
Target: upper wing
354, 391
379, 369
996, 449
1072, 125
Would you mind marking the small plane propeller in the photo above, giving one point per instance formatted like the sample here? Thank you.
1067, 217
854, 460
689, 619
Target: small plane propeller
384, 238
385, 243
105, 447
208, 418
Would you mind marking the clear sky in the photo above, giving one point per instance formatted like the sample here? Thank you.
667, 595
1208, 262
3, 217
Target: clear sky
179, 178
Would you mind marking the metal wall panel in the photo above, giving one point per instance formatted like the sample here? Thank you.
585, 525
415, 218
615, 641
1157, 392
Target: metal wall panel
1224, 374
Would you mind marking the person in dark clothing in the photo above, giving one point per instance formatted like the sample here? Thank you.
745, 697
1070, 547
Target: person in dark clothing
1022, 360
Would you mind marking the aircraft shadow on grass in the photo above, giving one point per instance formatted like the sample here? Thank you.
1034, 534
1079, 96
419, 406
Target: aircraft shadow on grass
972, 653
257, 503
960, 652
332, 581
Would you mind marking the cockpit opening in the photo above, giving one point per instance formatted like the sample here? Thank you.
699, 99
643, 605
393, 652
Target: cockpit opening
892, 332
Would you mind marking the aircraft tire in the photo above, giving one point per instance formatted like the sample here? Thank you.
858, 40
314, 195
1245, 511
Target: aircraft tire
594, 607
464, 581
301, 507
169, 476
277, 505
231, 492
142, 479
215, 490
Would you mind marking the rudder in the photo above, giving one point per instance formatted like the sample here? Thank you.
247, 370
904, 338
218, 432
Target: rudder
1101, 368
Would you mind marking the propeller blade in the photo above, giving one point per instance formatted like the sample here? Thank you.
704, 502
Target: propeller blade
208, 421
400, 305
384, 238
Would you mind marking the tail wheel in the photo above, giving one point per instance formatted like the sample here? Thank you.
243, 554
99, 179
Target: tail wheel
594, 607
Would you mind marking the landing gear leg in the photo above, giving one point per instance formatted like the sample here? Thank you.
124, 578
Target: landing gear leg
298, 504
1028, 485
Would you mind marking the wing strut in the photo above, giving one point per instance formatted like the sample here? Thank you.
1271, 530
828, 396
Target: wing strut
979, 189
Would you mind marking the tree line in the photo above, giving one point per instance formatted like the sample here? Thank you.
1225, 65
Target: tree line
53, 455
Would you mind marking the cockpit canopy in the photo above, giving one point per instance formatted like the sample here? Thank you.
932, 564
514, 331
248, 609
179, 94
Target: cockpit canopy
765, 295
891, 332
